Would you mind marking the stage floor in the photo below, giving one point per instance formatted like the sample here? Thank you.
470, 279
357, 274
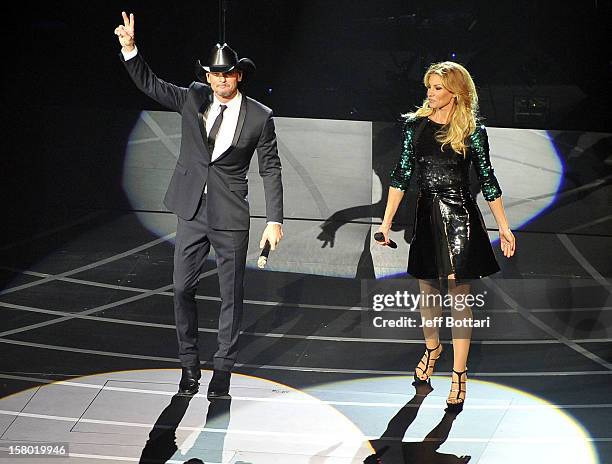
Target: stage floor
89, 359
87, 330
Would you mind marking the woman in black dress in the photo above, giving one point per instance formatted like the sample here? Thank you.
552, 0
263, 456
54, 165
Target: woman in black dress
440, 141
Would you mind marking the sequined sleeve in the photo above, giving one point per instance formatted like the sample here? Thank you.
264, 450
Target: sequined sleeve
486, 176
402, 172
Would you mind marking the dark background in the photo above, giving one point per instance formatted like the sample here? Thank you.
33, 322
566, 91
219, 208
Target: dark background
69, 105
345, 59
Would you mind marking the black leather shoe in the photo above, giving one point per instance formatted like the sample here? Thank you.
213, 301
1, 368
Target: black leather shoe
218, 388
189, 380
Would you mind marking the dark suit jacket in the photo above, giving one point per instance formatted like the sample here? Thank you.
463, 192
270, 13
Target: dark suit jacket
226, 176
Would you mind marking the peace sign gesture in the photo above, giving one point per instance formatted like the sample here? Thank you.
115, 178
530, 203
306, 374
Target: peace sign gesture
125, 32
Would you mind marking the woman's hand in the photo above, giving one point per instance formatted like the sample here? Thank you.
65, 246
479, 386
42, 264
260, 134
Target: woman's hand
507, 242
384, 229
125, 32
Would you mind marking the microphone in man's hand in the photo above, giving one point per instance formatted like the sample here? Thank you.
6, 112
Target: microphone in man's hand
380, 237
263, 257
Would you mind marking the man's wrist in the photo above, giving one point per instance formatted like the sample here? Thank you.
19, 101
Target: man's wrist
129, 52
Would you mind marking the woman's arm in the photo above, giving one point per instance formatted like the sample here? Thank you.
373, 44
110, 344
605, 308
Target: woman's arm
393, 202
497, 208
506, 237
479, 145
400, 180
491, 191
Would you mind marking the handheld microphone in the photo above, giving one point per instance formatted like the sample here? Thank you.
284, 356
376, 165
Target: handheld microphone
380, 237
263, 257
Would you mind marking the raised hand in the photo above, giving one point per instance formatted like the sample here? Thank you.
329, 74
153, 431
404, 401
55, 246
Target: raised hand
125, 32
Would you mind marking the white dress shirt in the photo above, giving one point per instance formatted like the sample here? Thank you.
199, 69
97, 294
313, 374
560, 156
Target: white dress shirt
228, 126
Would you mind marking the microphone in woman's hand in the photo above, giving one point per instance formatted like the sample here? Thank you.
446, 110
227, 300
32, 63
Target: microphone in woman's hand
380, 237
263, 257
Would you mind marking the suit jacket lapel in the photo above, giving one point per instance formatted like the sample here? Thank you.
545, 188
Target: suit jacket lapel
201, 124
239, 125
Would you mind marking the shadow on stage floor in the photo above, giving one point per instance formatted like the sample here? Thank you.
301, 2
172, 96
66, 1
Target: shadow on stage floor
89, 346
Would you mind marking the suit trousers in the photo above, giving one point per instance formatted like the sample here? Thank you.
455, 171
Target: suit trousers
193, 241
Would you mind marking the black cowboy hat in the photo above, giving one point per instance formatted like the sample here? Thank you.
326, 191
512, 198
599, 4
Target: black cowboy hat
224, 59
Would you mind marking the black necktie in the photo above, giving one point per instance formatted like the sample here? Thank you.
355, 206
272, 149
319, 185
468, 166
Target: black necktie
215, 129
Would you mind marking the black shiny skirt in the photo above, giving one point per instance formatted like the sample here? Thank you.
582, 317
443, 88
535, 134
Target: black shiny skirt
450, 237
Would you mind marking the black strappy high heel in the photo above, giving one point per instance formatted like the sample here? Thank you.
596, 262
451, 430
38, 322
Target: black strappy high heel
457, 407
428, 363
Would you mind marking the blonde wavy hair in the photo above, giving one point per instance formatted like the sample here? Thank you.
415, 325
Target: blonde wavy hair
457, 80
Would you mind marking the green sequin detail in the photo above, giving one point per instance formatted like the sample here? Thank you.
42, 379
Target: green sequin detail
401, 174
479, 148
480, 156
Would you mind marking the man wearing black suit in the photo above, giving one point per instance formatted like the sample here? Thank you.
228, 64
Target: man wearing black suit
221, 129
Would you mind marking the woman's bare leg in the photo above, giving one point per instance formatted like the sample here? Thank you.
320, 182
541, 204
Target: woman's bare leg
430, 308
461, 335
